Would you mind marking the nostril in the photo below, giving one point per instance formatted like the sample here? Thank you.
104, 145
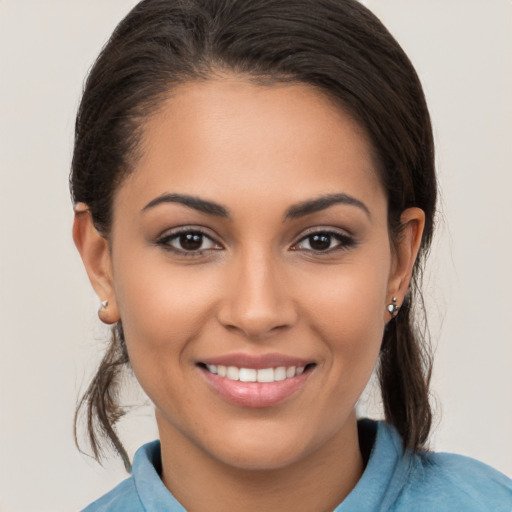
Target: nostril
254, 324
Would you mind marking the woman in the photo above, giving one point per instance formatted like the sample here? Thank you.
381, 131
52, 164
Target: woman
254, 191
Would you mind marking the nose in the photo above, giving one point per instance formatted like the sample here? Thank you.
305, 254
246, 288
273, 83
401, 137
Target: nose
257, 301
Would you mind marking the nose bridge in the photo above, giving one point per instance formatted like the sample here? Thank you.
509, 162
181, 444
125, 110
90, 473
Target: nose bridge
257, 301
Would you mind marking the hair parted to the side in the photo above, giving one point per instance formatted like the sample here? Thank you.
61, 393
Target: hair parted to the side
337, 46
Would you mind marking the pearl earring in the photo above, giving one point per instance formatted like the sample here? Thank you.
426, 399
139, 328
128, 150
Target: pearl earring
393, 308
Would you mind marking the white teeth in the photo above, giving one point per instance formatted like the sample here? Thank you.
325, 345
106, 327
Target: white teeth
280, 373
252, 375
233, 373
247, 375
266, 375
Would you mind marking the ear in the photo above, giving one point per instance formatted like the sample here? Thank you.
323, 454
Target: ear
404, 253
95, 252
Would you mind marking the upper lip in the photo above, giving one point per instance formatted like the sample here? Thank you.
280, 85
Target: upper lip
256, 362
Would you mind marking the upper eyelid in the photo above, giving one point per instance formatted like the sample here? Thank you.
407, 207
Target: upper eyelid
186, 229
173, 233
329, 230
345, 240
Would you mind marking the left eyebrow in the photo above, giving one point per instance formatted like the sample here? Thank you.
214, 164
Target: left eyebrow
196, 203
322, 203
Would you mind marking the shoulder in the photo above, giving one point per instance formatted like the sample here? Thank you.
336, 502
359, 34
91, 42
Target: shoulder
144, 491
398, 481
444, 481
123, 498
128, 496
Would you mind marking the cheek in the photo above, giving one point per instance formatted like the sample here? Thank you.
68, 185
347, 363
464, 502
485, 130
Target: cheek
161, 307
163, 312
346, 310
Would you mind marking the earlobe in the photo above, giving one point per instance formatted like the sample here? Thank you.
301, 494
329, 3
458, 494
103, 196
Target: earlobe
405, 253
95, 253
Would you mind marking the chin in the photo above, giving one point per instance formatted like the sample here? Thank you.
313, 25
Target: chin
263, 450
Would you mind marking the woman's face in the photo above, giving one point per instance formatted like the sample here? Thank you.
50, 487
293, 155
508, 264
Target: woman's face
251, 244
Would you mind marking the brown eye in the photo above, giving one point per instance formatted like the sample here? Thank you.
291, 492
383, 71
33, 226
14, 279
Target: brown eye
324, 241
189, 241
320, 242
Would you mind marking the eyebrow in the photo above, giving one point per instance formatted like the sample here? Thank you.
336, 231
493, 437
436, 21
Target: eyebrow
321, 203
202, 205
294, 212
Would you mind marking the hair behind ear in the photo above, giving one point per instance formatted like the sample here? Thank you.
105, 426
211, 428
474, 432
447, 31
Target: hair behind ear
404, 372
100, 401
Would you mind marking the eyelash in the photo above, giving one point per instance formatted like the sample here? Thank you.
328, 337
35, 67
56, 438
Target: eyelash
165, 241
344, 242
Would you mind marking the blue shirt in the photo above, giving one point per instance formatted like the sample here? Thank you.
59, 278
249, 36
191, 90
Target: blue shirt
392, 481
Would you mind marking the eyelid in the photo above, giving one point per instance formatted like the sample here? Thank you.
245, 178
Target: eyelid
185, 228
170, 234
323, 229
345, 240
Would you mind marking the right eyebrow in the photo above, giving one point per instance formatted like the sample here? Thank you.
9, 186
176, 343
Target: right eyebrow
322, 203
201, 205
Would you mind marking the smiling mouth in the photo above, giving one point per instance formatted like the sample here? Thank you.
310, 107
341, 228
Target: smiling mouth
262, 375
257, 382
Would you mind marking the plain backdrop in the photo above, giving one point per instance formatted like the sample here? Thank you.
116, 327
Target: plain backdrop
50, 336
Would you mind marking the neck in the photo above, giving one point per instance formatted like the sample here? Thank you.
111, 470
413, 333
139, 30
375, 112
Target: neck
317, 482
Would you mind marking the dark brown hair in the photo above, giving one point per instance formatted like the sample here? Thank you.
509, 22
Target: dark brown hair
337, 46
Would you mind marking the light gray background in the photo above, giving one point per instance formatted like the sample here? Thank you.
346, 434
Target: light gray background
50, 337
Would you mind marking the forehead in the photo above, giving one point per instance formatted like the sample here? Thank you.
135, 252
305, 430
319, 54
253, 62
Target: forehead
229, 138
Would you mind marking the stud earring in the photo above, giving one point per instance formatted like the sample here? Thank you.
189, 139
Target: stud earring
108, 315
393, 308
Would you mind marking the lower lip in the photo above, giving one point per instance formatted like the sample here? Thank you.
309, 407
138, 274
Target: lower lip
255, 394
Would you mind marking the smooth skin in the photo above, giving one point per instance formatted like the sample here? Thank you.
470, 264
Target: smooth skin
252, 278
